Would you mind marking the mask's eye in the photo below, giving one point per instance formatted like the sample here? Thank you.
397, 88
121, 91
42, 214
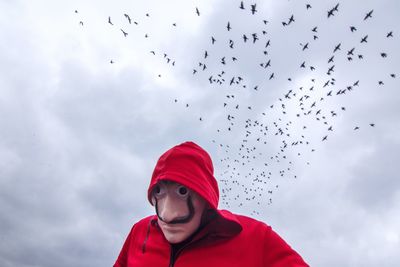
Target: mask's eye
158, 190
182, 191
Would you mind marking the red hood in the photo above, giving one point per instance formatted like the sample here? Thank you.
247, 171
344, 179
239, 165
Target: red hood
191, 166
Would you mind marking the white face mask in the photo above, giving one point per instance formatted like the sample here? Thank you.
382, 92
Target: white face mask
179, 210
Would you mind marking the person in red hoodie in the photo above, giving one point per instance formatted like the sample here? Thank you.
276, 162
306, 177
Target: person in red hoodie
188, 229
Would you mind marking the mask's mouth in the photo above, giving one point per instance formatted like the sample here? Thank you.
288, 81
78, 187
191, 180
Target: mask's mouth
184, 219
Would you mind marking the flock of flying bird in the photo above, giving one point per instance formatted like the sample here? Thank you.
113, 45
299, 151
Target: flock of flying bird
249, 168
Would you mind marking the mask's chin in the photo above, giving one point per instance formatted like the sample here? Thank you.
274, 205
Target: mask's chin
175, 237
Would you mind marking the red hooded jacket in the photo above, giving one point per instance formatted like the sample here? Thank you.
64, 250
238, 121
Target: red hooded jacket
226, 240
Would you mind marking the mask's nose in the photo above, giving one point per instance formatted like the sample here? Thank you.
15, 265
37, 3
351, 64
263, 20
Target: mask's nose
172, 208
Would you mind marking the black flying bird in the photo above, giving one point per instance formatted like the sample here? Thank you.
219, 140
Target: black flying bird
228, 26
368, 15
364, 39
253, 9
128, 18
124, 32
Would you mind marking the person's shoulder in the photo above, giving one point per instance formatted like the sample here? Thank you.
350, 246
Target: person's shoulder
247, 219
144, 222
248, 222
252, 223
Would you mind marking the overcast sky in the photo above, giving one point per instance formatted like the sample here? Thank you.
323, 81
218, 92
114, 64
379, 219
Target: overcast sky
85, 112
